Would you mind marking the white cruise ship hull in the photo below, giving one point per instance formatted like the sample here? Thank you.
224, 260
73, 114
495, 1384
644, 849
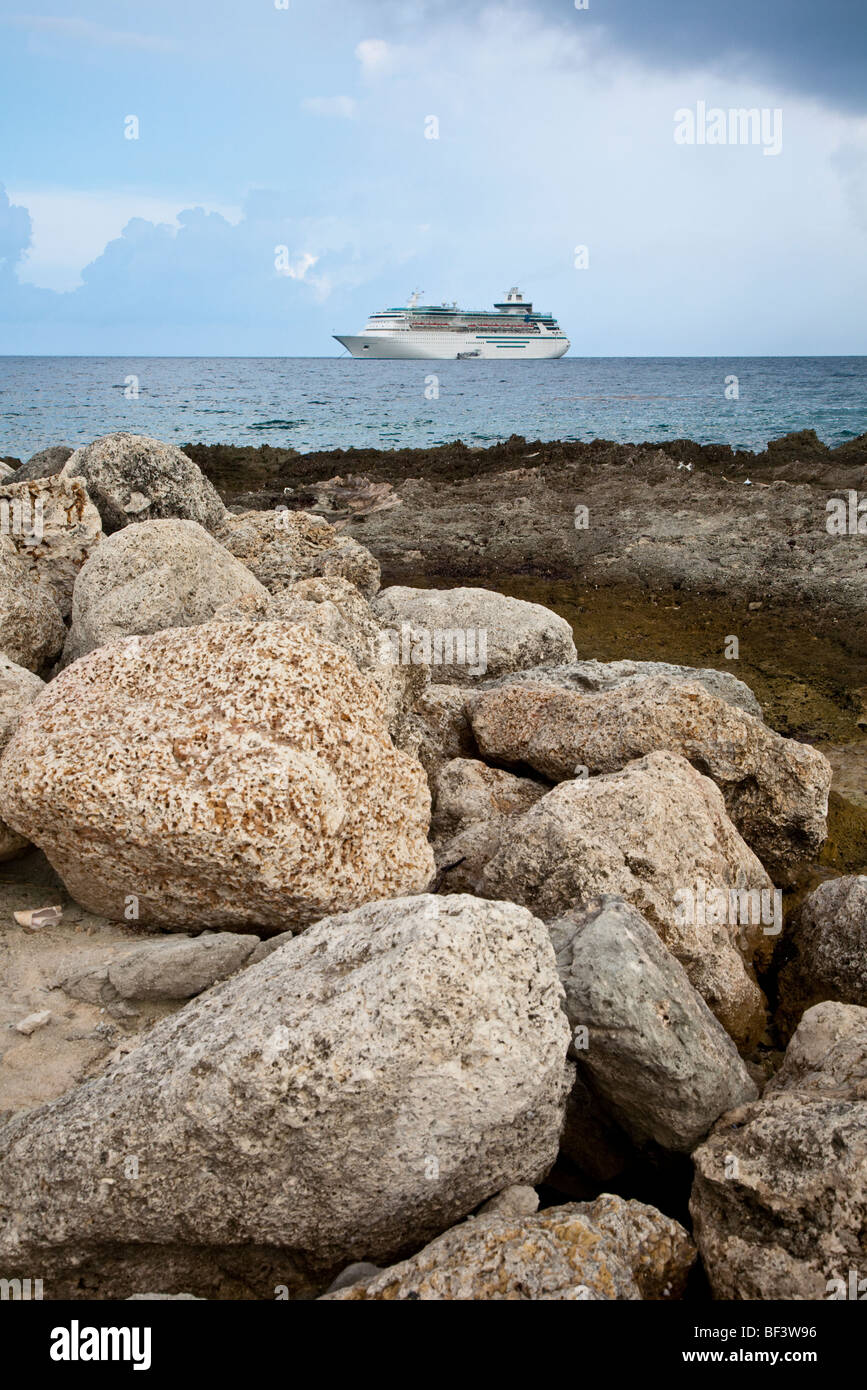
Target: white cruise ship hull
427, 346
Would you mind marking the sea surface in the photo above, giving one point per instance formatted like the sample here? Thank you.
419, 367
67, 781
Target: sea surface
311, 403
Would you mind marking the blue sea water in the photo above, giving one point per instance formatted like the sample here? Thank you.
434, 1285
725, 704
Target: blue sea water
312, 403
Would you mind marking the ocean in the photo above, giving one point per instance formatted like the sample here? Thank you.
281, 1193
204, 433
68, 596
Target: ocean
311, 403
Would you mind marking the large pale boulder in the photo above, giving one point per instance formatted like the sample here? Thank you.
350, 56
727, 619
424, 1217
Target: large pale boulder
776, 790
657, 834
53, 528
150, 576
827, 939
655, 1054
44, 464
466, 634
584, 676
18, 687
132, 477
227, 775
32, 630
282, 547
779, 1201
607, 1249
351, 1096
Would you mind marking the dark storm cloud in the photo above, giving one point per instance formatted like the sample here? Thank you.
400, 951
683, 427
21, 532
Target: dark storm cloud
814, 47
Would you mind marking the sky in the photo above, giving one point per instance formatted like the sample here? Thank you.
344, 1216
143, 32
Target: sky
249, 177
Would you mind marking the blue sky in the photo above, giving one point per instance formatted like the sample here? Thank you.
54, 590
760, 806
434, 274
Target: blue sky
304, 127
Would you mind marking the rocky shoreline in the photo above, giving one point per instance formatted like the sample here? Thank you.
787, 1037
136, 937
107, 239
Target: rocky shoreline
433, 875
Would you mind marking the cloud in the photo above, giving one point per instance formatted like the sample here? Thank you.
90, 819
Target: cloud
376, 57
344, 107
86, 31
15, 230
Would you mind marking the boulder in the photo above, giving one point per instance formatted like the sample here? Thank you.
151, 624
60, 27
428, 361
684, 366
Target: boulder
440, 719
827, 938
465, 634
607, 1249
351, 1096
473, 803
44, 464
657, 834
588, 676
779, 1201
32, 630
519, 1200
226, 775
53, 527
132, 477
150, 576
282, 547
178, 968
776, 790
18, 687
664, 1067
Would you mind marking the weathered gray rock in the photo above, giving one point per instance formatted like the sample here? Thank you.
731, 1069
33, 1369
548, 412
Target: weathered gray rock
18, 688
519, 1200
132, 477
227, 775
282, 547
44, 464
150, 576
657, 834
32, 631
465, 634
776, 790
178, 968
828, 936
780, 1194
663, 1065
53, 527
588, 676
473, 803
607, 1249
278, 1112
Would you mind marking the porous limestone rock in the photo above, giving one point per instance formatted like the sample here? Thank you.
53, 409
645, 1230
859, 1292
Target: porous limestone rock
150, 576
18, 687
828, 939
657, 834
584, 676
465, 634
53, 528
282, 547
472, 803
440, 718
349, 1097
607, 1249
519, 1200
227, 775
660, 1061
132, 477
177, 968
44, 464
32, 630
779, 1201
776, 789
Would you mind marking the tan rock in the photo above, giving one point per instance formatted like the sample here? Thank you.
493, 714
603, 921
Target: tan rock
473, 803
132, 477
281, 547
18, 688
32, 631
54, 528
657, 834
227, 775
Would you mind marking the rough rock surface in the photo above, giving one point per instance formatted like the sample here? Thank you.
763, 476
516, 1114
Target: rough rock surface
440, 718
658, 1058
282, 547
780, 1194
150, 576
18, 687
54, 528
44, 464
776, 790
175, 969
473, 802
828, 936
607, 1249
32, 631
227, 775
132, 477
652, 830
519, 1200
276, 1112
586, 676
505, 634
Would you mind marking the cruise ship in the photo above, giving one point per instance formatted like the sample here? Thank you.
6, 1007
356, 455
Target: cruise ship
511, 329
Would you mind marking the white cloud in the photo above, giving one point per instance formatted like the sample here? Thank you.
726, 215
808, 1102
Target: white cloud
375, 56
344, 107
72, 227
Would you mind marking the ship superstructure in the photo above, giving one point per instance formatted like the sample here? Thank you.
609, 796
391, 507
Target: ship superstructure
512, 329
